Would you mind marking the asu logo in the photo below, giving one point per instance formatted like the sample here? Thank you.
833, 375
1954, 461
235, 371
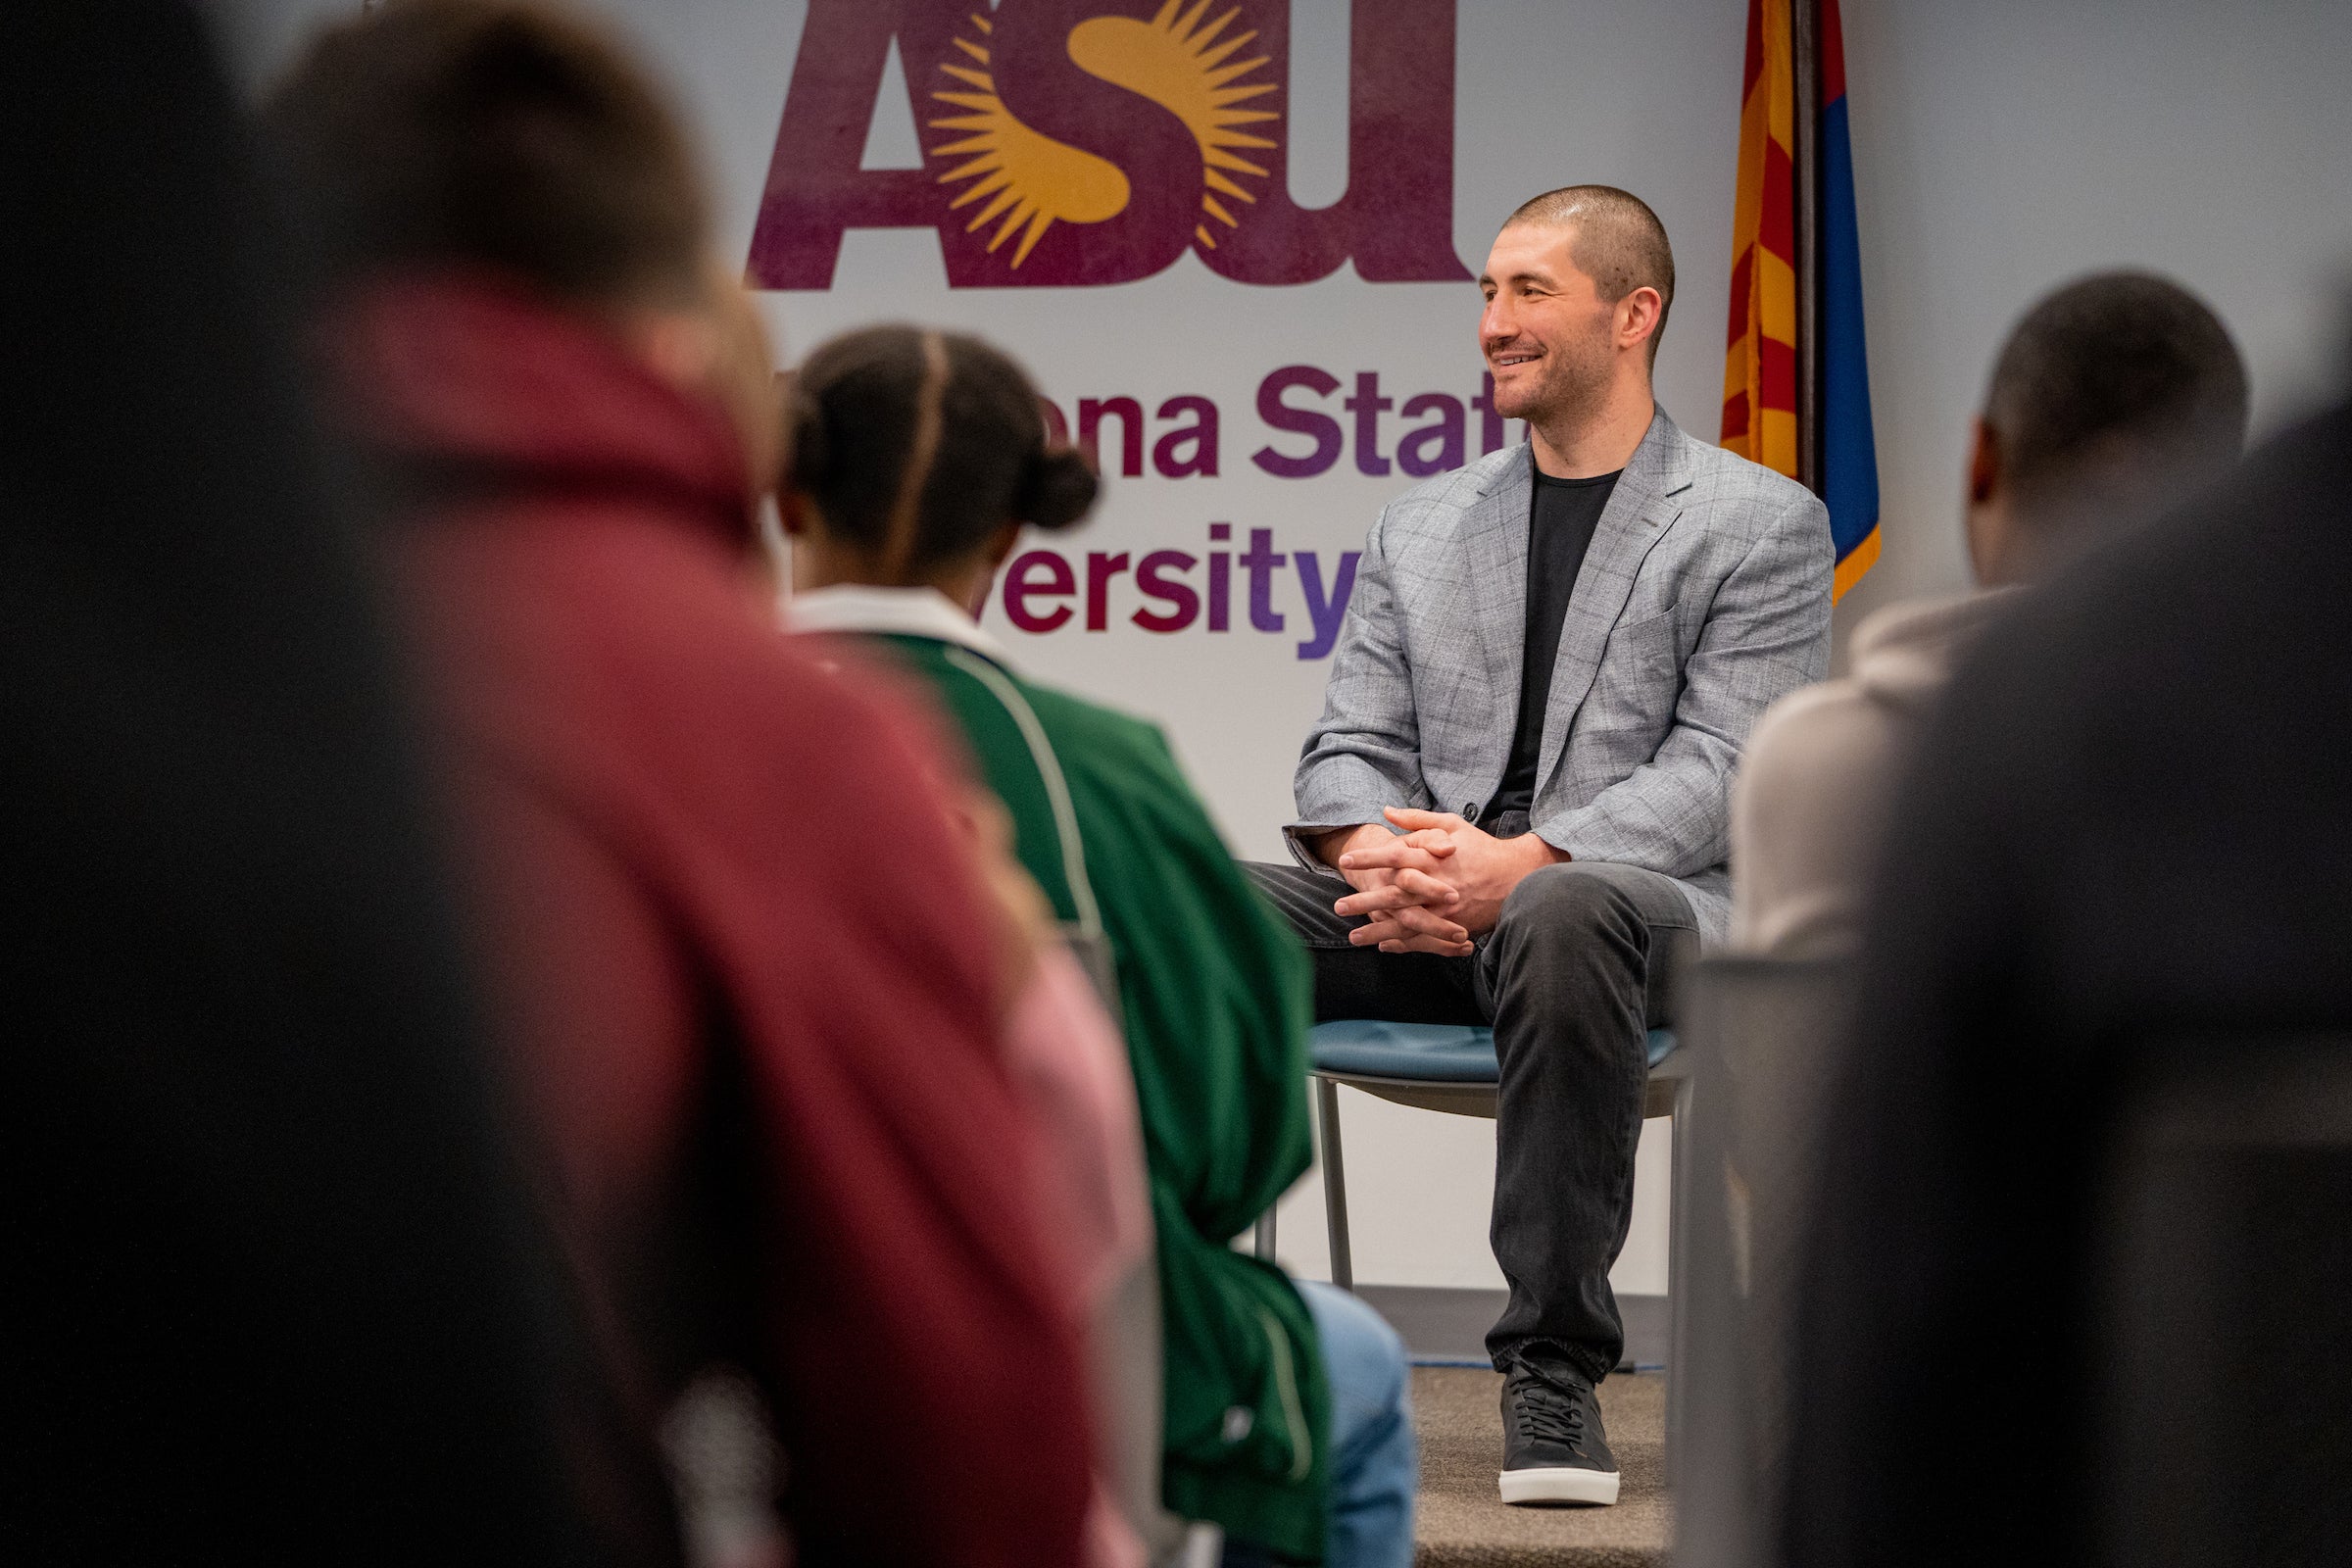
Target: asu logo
1077, 142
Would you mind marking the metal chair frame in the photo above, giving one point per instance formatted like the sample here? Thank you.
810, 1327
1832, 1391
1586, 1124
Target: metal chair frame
1668, 1095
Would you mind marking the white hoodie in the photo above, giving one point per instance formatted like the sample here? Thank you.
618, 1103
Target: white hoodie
1820, 771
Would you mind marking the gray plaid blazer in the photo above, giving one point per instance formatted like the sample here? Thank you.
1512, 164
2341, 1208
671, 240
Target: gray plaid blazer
1705, 596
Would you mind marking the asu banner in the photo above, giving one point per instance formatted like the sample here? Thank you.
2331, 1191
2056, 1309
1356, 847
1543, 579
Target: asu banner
1070, 143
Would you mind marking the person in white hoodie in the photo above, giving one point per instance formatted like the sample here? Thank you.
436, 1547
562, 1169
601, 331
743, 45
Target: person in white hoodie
2111, 398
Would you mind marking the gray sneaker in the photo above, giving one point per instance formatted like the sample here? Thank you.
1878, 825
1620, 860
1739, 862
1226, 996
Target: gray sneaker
1554, 1451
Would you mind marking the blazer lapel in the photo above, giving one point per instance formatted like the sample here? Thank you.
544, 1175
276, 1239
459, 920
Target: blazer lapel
1495, 556
1646, 500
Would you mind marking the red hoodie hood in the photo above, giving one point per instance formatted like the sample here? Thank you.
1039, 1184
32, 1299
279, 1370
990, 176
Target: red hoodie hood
466, 375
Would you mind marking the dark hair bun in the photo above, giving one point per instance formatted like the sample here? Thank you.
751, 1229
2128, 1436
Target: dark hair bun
1057, 487
807, 444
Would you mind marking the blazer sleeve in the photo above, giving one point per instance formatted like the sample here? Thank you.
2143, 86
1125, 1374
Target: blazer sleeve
1766, 634
1364, 751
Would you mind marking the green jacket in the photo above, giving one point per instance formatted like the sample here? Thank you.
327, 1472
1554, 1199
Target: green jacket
1216, 998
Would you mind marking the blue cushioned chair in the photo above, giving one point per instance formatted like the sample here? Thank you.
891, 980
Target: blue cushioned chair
1443, 1067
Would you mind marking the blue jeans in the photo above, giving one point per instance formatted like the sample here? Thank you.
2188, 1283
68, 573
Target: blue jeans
1375, 1466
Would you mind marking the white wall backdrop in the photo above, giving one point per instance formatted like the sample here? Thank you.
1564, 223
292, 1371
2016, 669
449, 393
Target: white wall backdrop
2004, 146
2000, 147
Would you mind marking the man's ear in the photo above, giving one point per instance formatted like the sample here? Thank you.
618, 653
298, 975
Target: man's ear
1984, 462
1985, 520
1638, 317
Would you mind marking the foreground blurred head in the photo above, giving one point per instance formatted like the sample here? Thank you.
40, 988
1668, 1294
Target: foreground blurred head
917, 456
2112, 398
511, 139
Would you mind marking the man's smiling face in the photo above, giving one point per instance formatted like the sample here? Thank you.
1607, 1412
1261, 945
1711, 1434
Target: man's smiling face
1546, 331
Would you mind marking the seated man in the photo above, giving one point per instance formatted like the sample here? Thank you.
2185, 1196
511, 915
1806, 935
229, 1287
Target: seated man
2112, 396
1569, 641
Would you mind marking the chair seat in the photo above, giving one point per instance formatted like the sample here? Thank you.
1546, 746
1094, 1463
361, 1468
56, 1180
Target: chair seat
1431, 1052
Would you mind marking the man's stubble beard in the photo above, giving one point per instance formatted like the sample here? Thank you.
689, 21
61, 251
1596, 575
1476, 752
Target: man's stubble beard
1574, 390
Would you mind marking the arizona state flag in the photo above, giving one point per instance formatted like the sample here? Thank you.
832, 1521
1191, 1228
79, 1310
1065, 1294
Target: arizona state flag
1796, 379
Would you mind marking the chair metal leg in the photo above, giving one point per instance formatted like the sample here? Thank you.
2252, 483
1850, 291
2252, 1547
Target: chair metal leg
1335, 1182
1261, 1239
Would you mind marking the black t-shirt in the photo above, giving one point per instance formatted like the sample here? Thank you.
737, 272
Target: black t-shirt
1559, 530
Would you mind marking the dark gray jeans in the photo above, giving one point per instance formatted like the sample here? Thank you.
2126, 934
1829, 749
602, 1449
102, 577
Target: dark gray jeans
1572, 978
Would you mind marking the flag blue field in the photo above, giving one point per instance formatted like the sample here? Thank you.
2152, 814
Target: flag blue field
1849, 463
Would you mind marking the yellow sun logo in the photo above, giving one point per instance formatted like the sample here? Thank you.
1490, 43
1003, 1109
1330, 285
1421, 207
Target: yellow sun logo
1032, 181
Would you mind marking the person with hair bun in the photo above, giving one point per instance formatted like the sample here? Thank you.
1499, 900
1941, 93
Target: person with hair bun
916, 459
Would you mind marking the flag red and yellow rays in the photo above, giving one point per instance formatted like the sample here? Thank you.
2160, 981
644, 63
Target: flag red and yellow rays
1759, 370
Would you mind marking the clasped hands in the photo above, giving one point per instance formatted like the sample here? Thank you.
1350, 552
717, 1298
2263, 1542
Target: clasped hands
1433, 885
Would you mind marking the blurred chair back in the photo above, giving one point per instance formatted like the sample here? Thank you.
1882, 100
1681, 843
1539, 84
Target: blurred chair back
2222, 1307
1761, 1037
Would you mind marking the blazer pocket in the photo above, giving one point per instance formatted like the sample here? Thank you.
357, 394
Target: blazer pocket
1636, 688
1644, 647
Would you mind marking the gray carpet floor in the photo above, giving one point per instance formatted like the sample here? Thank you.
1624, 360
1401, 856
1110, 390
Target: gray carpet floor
1463, 1524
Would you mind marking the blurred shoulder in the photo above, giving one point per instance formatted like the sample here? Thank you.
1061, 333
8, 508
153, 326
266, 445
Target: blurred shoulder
1124, 767
1092, 737
1817, 778
1821, 732
633, 648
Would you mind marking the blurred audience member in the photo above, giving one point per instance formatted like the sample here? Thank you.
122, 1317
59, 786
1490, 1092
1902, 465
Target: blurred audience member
764, 1047
2129, 827
917, 457
2113, 397
272, 1291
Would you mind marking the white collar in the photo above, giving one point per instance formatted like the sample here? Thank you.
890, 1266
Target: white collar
860, 608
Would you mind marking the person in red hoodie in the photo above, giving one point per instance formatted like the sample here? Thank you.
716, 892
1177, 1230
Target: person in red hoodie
762, 1048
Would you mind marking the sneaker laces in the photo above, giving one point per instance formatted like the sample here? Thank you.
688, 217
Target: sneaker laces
1548, 1409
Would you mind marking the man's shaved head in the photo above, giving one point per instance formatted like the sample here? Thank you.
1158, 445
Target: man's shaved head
2111, 397
1616, 240
2118, 378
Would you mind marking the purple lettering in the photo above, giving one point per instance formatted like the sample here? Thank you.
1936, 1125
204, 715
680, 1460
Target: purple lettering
1130, 414
1046, 91
1220, 579
1200, 434
815, 186
1325, 613
1368, 406
1489, 427
1061, 582
1298, 422
1396, 220
1260, 562
1099, 570
1161, 190
1152, 580
1445, 434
